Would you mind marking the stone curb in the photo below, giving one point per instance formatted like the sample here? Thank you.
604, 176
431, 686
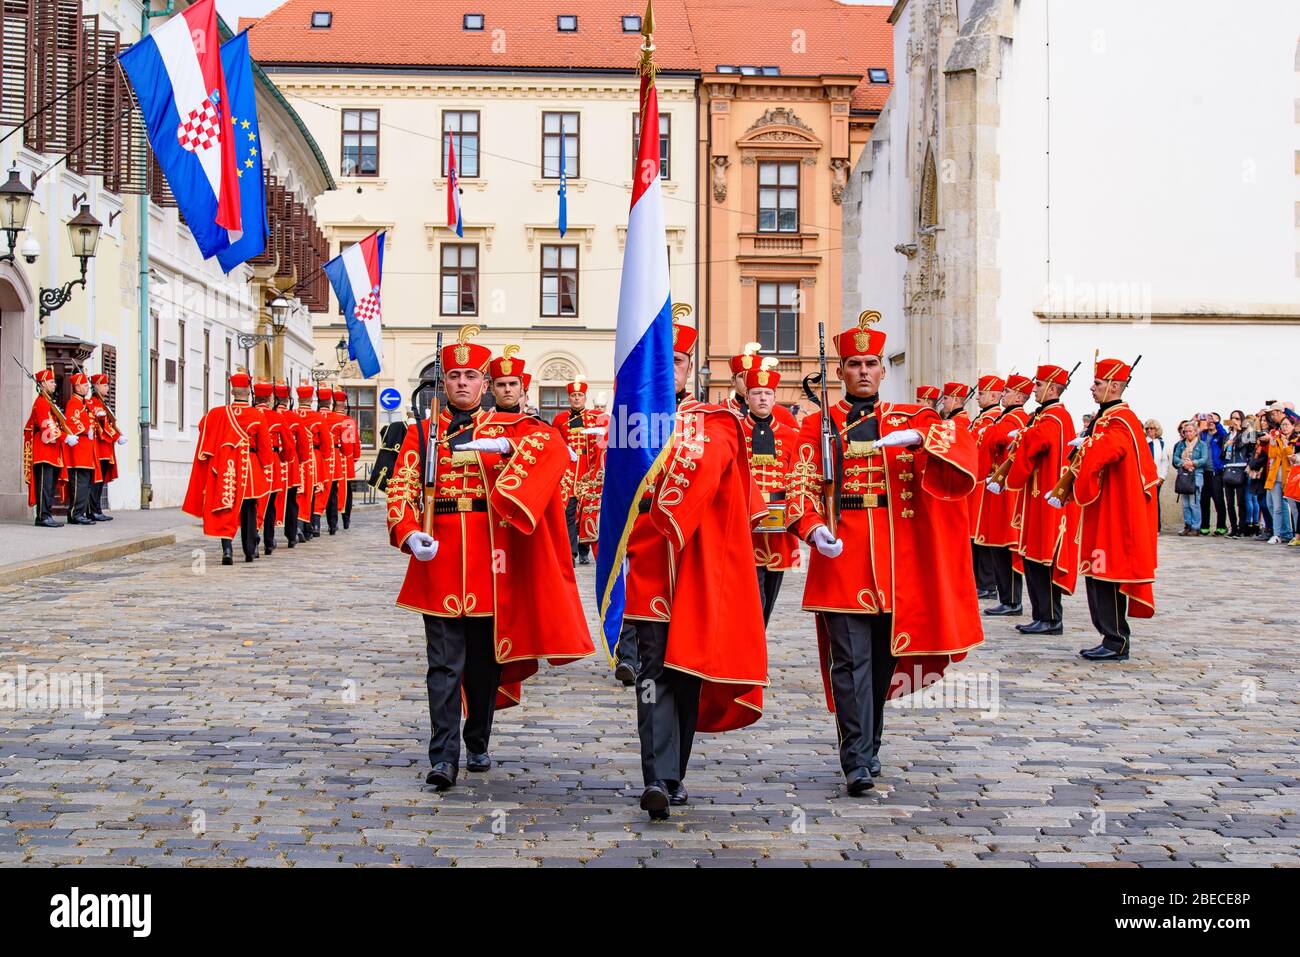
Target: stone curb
9, 574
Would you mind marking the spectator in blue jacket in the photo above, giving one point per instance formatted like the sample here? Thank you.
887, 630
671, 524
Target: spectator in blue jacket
1213, 436
1190, 456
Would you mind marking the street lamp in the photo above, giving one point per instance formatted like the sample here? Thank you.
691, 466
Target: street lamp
706, 374
15, 204
279, 315
341, 352
83, 235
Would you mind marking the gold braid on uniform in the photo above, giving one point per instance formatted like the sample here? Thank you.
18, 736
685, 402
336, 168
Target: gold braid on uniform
403, 488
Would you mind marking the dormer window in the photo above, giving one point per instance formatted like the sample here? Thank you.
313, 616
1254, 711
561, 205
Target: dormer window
632, 23
878, 75
321, 19
473, 21
566, 23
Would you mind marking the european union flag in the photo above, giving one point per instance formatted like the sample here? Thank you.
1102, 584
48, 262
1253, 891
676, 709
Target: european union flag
238, 67
564, 188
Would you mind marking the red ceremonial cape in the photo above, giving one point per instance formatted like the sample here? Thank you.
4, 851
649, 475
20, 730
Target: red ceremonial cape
1048, 536
1116, 486
221, 471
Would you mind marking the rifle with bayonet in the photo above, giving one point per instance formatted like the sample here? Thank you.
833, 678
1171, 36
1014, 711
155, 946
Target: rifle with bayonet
429, 446
58, 413
830, 436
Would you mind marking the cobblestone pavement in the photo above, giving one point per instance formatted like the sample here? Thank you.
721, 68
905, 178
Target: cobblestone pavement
274, 715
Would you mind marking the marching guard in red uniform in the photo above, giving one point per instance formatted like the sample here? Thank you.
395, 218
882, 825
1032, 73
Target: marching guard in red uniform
690, 596
313, 464
108, 437
928, 396
43, 450
884, 627
1049, 544
274, 464
998, 522
348, 444
741, 366
494, 511
988, 393
573, 424
952, 404
1115, 484
82, 458
227, 478
770, 447
290, 430
322, 431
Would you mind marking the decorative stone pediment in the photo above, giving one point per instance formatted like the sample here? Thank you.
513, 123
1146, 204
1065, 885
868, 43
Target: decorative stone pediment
781, 127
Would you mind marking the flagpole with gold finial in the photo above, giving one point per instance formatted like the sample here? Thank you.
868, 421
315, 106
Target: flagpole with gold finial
647, 66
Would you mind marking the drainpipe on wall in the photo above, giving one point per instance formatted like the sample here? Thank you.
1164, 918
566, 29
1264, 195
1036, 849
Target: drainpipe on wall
146, 486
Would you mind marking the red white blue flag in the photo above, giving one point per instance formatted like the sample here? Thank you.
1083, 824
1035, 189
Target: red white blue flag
355, 274
644, 389
179, 83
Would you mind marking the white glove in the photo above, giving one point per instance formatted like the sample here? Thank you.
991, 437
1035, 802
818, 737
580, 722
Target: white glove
1053, 501
594, 430
72, 440
121, 440
1076, 442
485, 445
573, 456
1013, 433
422, 546
993, 487
904, 437
826, 543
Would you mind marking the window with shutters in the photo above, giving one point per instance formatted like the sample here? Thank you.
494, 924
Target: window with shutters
108, 366
153, 370
361, 406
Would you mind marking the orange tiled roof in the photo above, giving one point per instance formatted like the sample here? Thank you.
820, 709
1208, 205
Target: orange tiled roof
690, 35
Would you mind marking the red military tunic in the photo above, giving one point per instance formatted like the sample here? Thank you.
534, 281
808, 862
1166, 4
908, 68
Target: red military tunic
106, 436
42, 442
983, 465
571, 426
323, 441
776, 549
1116, 487
81, 420
503, 547
689, 561
1049, 536
340, 426
304, 455
286, 458
593, 486
226, 468
999, 514
894, 551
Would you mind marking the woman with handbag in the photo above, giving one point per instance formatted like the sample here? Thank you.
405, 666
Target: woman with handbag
1237, 447
1281, 453
1190, 456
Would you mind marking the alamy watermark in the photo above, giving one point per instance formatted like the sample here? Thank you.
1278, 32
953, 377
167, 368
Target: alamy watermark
24, 690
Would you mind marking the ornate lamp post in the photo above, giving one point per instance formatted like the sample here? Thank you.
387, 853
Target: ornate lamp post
321, 373
279, 322
83, 234
15, 205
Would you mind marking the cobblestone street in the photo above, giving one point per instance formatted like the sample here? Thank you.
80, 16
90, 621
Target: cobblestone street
274, 715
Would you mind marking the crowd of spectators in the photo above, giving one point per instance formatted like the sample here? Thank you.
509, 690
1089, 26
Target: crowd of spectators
1244, 469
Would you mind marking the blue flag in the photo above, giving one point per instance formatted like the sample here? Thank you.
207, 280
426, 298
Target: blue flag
564, 186
238, 67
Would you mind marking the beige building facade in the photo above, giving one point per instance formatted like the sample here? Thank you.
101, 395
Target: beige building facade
512, 272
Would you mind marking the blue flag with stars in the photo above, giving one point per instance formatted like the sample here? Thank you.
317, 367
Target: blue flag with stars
238, 67
564, 186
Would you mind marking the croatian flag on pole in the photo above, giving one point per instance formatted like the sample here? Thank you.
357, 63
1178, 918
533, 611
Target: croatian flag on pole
355, 274
179, 83
453, 189
644, 392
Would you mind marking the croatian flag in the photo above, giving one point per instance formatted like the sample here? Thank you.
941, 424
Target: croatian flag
644, 392
453, 189
179, 83
355, 274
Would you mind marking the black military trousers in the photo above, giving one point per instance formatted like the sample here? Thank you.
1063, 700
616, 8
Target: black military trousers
626, 652
667, 707
1109, 609
291, 530
1044, 595
576, 548
1005, 575
332, 508
268, 521
769, 586
248, 527
861, 670
97, 498
45, 477
461, 655
982, 560
347, 509
79, 484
